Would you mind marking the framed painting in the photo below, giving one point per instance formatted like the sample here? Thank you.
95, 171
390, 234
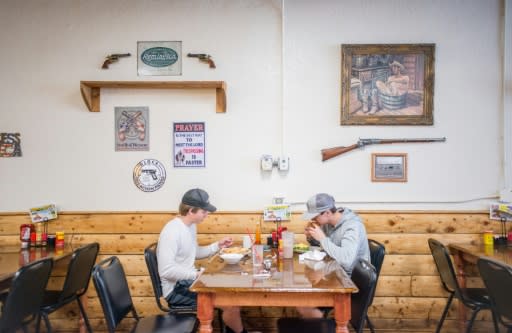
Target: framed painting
390, 167
387, 84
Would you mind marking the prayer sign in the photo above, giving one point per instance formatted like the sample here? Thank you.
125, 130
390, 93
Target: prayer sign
189, 145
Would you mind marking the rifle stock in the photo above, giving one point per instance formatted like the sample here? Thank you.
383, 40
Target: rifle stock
329, 153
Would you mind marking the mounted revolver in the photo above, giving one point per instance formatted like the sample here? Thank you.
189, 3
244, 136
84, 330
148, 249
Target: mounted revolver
113, 58
203, 57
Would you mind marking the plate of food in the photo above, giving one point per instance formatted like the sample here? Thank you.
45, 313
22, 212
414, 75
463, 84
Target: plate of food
300, 248
236, 249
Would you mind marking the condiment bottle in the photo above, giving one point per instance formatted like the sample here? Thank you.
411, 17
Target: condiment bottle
257, 236
39, 234
25, 235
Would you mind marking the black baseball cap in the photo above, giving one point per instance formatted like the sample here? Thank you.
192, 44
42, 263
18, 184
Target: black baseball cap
198, 198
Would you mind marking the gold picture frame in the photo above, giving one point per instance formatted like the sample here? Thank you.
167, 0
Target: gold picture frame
389, 167
387, 84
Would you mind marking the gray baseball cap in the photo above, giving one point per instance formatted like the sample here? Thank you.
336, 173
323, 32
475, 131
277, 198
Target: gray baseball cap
198, 198
318, 204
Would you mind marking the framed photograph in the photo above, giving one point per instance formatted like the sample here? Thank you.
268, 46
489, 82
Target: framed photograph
387, 84
159, 58
390, 167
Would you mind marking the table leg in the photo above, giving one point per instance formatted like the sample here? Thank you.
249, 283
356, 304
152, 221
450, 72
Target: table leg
460, 265
82, 327
342, 312
205, 312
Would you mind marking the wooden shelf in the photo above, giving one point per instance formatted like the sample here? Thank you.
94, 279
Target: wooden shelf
91, 90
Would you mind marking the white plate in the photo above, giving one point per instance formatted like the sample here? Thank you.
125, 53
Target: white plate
314, 255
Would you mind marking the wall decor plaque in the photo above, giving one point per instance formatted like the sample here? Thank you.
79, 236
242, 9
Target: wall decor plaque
159, 58
132, 128
10, 145
149, 175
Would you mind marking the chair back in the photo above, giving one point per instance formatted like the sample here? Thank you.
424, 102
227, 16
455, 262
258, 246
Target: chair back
25, 295
444, 266
152, 264
497, 278
79, 271
377, 253
305, 325
364, 275
112, 288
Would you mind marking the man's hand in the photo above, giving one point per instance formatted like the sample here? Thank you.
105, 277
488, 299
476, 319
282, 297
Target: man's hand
315, 232
225, 242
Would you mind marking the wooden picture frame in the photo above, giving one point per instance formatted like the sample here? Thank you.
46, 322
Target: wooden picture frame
389, 167
387, 84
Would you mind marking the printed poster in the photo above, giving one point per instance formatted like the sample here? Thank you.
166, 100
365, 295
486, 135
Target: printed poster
189, 145
43, 213
500, 211
275, 212
132, 128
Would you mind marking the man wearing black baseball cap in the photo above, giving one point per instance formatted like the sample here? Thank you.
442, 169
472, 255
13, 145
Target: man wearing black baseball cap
178, 249
339, 231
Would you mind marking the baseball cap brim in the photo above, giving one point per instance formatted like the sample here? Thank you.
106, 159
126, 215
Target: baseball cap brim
211, 208
309, 216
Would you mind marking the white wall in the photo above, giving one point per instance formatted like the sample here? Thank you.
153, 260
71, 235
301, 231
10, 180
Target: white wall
274, 106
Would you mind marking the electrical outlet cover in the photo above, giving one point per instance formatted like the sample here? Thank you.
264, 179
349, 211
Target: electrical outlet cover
267, 162
284, 163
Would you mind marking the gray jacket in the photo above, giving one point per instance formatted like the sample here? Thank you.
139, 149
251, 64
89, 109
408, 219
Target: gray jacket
347, 241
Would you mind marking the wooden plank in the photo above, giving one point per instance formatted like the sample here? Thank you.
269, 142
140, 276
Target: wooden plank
237, 223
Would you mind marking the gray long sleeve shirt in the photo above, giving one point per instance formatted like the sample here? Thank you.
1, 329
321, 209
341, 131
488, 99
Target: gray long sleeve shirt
347, 241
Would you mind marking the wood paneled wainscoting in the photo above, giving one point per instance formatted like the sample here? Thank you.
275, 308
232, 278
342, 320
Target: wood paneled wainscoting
409, 296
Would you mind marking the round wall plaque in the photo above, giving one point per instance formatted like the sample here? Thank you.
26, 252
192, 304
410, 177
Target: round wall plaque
149, 175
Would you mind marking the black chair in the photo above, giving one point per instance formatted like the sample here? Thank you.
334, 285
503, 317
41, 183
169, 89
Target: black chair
497, 278
364, 275
75, 285
475, 299
116, 301
152, 264
377, 253
25, 296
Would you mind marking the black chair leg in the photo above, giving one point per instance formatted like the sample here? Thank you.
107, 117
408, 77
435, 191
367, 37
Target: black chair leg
47, 323
84, 315
370, 325
38, 323
472, 320
495, 322
445, 312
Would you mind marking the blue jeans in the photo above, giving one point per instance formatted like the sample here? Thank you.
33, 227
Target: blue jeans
181, 294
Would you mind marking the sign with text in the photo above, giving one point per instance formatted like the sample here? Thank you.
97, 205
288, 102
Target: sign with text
189, 145
132, 130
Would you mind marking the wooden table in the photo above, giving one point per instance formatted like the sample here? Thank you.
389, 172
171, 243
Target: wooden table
465, 255
291, 284
12, 258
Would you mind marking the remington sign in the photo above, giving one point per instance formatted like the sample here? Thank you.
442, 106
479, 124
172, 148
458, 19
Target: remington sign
159, 57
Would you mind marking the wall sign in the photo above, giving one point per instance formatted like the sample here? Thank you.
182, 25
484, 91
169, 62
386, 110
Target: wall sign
10, 145
132, 128
159, 58
189, 145
149, 175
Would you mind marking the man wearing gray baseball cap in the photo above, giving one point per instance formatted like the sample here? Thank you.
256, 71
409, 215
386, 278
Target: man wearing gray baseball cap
339, 231
177, 251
